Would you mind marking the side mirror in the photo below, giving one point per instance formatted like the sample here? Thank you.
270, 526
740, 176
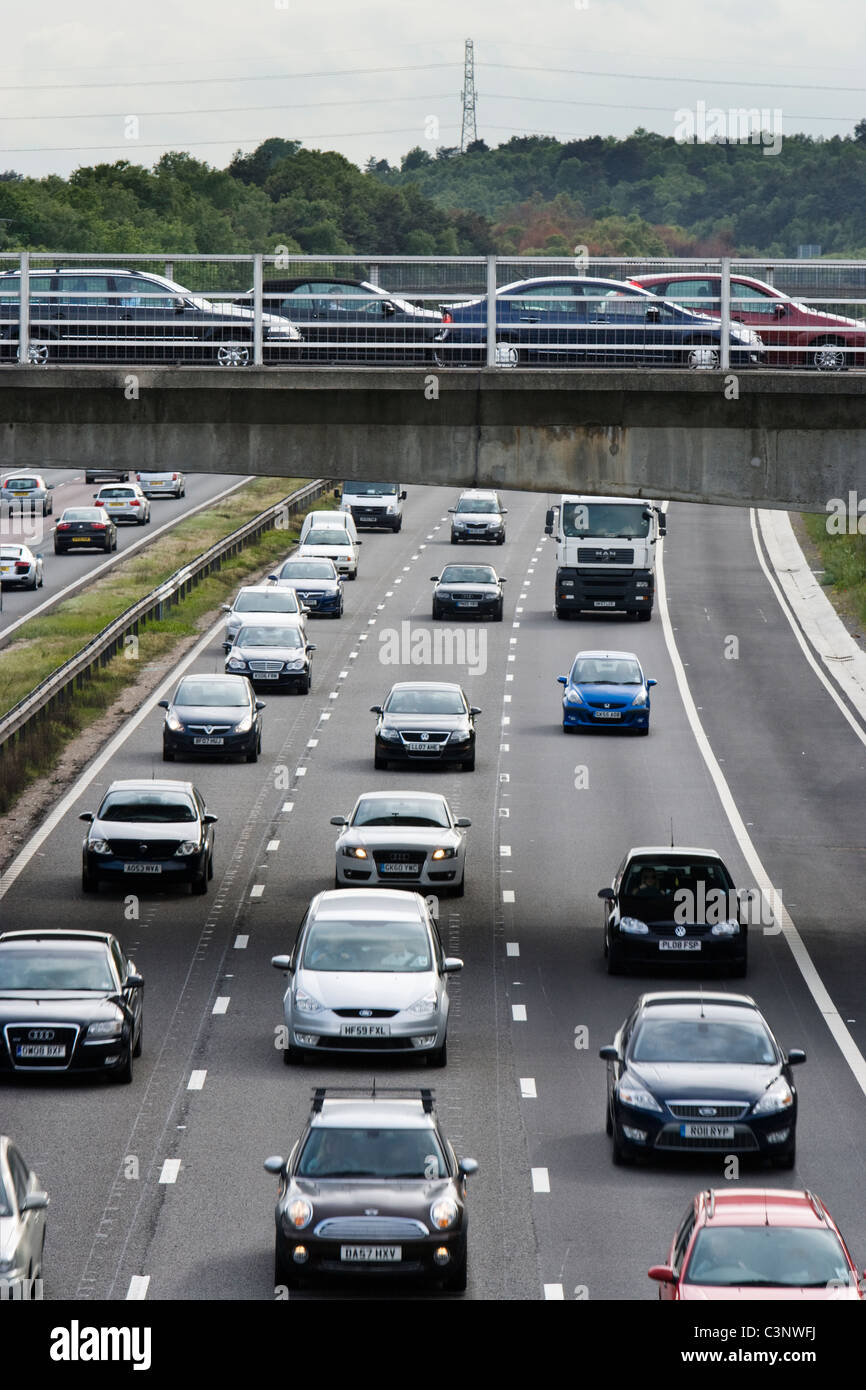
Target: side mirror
311, 647
162, 704
274, 578
260, 704
134, 982
339, 820
179, 306
275, 1165
226, 607
86, 816
209, 818
651, 682
467, 1166
305, 608
227, 646
780, 310
609, 1053
607, 893
653, 314
563, 680
451, 511
796, 1057
434, 578
451, 965
281, 962
463, 822
36, 1201
502, 579
402, 497
663, 524
663, 1274
548, 520
375, 709
474, 709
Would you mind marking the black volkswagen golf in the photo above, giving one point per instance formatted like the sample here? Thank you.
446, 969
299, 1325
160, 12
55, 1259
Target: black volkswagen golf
69, 1001
372, 1187
700, 1073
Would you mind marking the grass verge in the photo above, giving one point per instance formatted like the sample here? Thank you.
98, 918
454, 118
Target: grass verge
844, 562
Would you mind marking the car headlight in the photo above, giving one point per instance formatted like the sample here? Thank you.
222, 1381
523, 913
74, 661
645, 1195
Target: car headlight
290, 333
99, 846
389, 735
392, 507
299, 1213
425, 1005
640, 699
633, 926
108, 1028
460, 736
355, 851
172, 722
729, 928
573, 696
444, 1213
305, 1003
778, 1097
444, 852
244, 725
633, 1092
236, 663
188, 847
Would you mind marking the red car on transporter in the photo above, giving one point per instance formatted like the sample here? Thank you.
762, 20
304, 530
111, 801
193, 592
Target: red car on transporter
794, 334
757, 1243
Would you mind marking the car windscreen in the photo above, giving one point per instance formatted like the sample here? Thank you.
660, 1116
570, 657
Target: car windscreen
592, 670
230, 693
41, 967
83, 514
745, 1042
268, 601
767, 1257
477, 504
425, 702
604, 521
467, 574
272, 636
370, 489
149, 807
307, 569
380, 947
327, 535
372, 1153
401, 810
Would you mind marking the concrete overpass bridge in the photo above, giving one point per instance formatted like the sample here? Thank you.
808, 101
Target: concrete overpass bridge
765, 438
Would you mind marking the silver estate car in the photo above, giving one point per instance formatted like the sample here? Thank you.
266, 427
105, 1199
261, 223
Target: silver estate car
124, 502
410, 838
367, 974
22, 1222
260, 602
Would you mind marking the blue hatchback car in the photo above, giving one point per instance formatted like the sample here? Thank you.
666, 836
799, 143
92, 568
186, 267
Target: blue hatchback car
606, 689
573, 321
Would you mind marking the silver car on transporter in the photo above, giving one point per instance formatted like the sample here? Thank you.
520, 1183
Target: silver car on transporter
367, 974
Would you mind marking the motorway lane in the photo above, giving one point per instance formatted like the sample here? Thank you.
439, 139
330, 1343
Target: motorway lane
70, 490
211, 1234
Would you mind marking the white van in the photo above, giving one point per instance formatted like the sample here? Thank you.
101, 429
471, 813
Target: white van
374, 504
333, 518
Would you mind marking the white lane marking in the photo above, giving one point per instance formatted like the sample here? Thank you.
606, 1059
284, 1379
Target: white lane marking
527, 1088
362, 637
312, 743
518, 1013
508, 895
353, 656
137, 1291
506, 719
335, 694
379, 607
510, 676
300, 772
288, 806
512, 948
504, 747
326, 714
514, 639
241, 942
505, 851
504, 811
272, 846
540, 1180
170, 1170
506, 699
761, 879
342, 676
389, 593
117, 557
221, 1005
196, 1081
518, 609
511, 656
257, 890
554, 1293
505, 776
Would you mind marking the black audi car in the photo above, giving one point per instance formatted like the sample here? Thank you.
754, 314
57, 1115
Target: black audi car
372, 1188
275, 653
84, 528
159, 831
70, 1001
473, 591
700, 1073
351, 320
671, 906
316, 582
214, 716
425, 722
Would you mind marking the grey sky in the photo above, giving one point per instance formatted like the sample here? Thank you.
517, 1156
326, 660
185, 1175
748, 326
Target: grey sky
233, 71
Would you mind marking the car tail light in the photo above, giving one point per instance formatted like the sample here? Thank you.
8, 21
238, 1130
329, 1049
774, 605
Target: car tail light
99, 502
447, 316
174, 477
64, 526
98, 526
21, 566
135, 502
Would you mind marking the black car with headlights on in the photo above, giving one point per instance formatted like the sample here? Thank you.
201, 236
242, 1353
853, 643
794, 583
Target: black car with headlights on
425, 722
317, 584
215, 716
158, 831
273, 653
700, 1073
674, 905
372, 1188
70, 1001
473, 591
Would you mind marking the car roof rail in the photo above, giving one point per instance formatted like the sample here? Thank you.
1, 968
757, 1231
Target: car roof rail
321, 1093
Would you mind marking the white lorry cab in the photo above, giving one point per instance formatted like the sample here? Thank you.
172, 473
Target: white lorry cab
605, 554
374, 504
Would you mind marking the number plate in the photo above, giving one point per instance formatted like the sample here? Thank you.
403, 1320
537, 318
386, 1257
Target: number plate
365, 1030
399, 869
706, 1131
467, 603
7, 569
209, 742
604, 603
265, 675
142, 868
679, 945
608, 714
80, 539
40, 1050
371, 1254
423, 747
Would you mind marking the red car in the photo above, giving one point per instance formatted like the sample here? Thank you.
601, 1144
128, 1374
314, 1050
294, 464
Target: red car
794, 334
757, 1243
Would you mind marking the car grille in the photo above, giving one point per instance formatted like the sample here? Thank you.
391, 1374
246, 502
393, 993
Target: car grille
366, 1013
414, 860
312, 595
612, 584
464, 597
603, 556
697, 1110
371, 1228
265, 665
146, 849
423, 736
208, 729
62, 1036
743, 1140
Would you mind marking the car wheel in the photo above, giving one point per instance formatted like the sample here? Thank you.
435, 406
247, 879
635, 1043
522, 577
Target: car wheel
460, 888
436, 611
398, 527
608, 1119
35, 585
622, 1154
253, 754
456, 1280
108, 546
233, 355
89, 882
198, 886
643, 732
644, 615
380, 763
497, 616
353, 576
439, 1056
614, 959
500, 540
454, 539
136, 1051
210, 866
38, 354
123, 1077
293, 1056
827, 357
469, 765
306, 685
786, 1160
739, 969
702, 355
58, 550
166, 756
560, 613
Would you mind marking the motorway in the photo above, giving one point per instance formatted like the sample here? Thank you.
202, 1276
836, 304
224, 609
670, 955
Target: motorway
63, 572
158, 1188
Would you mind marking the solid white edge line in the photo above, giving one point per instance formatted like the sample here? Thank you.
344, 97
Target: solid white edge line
803, 960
